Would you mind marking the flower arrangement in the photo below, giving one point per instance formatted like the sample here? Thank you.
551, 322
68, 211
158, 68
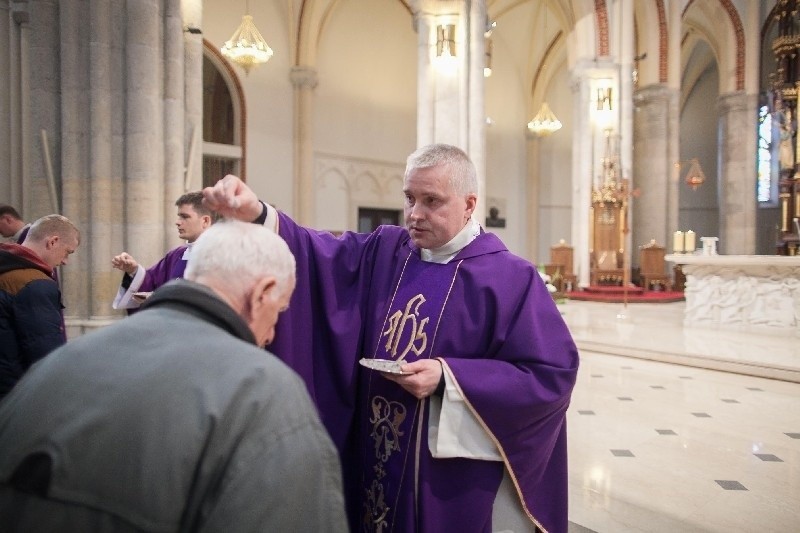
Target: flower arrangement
546, 278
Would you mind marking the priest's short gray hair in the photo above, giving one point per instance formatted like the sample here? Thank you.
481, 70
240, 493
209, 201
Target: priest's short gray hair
463, 176
239, 253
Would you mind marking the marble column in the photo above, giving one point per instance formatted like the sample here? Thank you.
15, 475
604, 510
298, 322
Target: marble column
588, 141
450, 96
737, 127
653, 217
304, 81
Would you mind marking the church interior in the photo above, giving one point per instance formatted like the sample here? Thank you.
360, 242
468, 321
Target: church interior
642, 153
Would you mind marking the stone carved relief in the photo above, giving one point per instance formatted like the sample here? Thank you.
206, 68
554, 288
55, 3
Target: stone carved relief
354, 182
766, 297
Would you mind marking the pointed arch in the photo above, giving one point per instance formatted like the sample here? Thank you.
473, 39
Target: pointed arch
738, 32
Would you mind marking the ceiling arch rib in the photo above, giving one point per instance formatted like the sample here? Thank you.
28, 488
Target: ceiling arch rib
720, 18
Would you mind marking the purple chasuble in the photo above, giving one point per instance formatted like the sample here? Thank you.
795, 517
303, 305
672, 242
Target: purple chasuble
395, 419
170, 267
488, 317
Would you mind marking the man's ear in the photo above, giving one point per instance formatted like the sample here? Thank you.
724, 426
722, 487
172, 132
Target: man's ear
51, 241
206, 221
261, 291
472, 202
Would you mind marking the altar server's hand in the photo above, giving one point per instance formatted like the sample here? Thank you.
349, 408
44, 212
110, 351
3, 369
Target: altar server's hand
231, 198
125, 262
420, 378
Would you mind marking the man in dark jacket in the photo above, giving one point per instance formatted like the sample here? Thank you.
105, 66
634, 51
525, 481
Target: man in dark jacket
175, 419
31, 317
12, 227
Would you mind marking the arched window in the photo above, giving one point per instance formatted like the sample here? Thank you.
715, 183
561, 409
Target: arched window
224, 146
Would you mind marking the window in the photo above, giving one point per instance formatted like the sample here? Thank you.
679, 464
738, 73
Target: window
223, 119
370, 218
765, 187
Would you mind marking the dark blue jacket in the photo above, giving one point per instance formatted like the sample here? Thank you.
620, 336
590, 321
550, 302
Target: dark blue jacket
31, 314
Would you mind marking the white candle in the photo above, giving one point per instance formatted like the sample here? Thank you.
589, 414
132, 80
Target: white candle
677, 242
688, 240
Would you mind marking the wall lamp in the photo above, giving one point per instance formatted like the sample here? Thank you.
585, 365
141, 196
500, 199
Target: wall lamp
604, 99
446, 40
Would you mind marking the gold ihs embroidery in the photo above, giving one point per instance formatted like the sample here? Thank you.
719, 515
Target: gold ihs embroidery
387, 417
417, 338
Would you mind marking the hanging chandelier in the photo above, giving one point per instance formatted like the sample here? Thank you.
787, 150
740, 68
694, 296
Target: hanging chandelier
545, 122
246, 47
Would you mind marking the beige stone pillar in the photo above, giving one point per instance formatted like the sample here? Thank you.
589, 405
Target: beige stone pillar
450, 97
737, 127
192, 101
102, 184
653, 167
304, 81
76, 193
9, 35
532, 145
176, 165
143, 136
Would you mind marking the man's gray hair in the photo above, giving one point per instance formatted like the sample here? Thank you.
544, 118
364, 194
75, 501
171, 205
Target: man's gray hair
240, 253
463, 176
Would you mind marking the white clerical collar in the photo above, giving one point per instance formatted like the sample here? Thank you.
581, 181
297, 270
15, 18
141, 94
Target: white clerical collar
187, 252
445, 253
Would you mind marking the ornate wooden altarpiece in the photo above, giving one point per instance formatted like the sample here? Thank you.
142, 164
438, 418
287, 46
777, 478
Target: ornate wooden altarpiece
786, 85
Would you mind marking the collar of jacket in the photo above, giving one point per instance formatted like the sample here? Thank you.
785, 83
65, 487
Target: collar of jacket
201, 302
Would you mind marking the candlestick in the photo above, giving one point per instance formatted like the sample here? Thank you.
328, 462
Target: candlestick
677, 242
689, 242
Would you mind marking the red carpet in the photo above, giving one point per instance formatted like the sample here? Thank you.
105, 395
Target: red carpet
611, 294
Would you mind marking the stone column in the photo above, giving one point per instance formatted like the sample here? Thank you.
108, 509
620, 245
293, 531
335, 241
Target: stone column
653, 168
588, 142
450, 101
532, 145
144, 192
177, 176
737, 127
102, 184
304, 81
8, 34
192, 102
39, 107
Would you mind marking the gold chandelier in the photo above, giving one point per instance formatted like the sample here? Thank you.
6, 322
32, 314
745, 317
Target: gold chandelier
545, 122
247, 47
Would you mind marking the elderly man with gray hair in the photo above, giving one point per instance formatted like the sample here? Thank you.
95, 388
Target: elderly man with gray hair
174, 419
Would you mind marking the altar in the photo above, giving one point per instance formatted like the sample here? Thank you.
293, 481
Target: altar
741, 292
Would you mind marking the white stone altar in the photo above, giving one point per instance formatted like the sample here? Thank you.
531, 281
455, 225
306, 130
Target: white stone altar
742, 292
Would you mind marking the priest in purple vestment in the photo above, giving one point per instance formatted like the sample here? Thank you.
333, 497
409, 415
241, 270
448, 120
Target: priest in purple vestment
471, 435
192, 220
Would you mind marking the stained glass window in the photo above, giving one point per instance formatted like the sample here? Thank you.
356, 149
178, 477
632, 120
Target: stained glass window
764, 186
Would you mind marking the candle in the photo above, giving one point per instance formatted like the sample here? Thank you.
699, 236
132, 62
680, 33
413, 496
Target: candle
677, 242
688, 242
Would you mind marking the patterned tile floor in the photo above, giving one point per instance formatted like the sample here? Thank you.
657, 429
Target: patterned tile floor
657, 446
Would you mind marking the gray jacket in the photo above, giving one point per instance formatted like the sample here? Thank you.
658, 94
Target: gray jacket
170, 420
